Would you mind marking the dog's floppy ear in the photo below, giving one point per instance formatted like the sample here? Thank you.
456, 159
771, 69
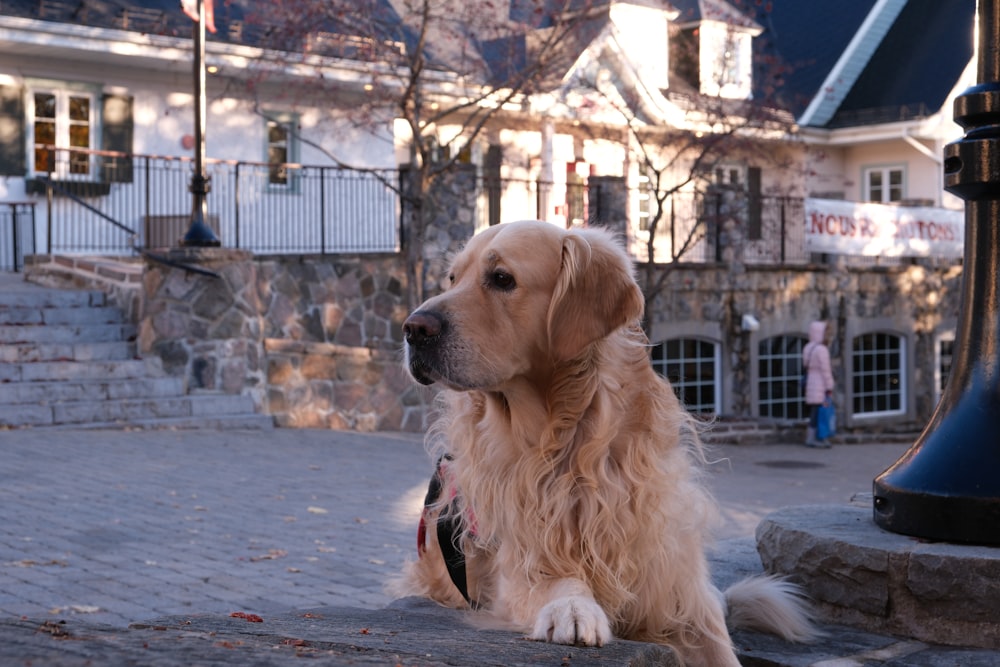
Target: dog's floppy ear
594, 295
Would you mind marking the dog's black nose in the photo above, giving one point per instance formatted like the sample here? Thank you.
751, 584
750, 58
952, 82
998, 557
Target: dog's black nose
422, 326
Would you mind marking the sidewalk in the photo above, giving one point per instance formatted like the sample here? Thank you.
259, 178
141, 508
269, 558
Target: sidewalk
102, 529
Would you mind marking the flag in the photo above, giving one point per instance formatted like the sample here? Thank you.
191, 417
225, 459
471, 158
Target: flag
190, 8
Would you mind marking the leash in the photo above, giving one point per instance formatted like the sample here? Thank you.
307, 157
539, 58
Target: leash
449, 529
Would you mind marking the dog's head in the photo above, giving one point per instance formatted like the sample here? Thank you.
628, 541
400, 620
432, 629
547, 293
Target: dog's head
523, 297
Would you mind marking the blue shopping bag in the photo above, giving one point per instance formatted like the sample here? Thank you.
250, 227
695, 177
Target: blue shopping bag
826, 421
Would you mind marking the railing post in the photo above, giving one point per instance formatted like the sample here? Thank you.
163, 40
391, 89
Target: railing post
13, 220
322, 210
783, 201
34, 233
48, 213
148, 195
947, 485
236, 204
718, 227
673, 229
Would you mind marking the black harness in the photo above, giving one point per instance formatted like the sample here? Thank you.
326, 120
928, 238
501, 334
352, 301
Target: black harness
449, 530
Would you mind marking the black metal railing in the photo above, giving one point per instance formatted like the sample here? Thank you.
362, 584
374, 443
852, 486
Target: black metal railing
268, 209
690, 227
17, 234
100, 202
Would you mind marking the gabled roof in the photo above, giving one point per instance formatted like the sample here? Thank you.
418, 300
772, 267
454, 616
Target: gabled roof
865, 61
801, 42
240, 22
157, 17
915, 67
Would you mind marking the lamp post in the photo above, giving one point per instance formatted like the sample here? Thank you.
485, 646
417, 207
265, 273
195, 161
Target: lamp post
947, 485
199, 234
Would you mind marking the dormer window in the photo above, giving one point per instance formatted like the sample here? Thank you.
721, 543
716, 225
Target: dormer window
725, 59
711, 49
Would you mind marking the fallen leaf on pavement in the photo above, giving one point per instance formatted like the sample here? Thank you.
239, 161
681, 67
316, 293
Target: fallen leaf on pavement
84, 608
272, 554
250, 618
34, 563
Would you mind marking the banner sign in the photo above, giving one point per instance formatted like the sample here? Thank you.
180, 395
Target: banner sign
863, 228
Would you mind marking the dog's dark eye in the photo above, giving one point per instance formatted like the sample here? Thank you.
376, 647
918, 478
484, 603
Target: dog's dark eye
451, 278
502, 280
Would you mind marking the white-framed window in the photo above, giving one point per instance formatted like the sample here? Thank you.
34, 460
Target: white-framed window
878, 382
646, 202
730, 174
282, 148
692, 365
885, 184
64, 118
779, 377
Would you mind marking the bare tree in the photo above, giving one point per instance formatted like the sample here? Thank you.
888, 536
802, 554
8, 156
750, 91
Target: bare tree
443, 68
681, 161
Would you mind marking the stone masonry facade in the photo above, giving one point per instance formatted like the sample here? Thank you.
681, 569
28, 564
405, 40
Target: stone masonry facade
316, 341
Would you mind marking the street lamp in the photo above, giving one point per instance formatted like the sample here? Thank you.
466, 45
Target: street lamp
947, 485
199, 234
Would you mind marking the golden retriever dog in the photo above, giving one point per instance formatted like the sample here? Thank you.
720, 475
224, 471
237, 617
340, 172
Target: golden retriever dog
570, 467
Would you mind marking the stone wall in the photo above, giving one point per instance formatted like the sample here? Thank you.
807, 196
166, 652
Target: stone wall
453, 202
334, 331
917, 302
314, 340
333, 342
317, 340
206, 329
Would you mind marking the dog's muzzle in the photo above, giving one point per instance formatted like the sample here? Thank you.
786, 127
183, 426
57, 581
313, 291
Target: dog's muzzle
422, 332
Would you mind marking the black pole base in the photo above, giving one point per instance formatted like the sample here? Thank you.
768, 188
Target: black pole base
946, 487
200, 235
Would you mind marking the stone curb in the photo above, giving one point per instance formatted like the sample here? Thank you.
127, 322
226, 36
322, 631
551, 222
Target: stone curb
410, 632
869, 578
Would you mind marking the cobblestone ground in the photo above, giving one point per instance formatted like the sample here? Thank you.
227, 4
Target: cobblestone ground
126, 526
120, 526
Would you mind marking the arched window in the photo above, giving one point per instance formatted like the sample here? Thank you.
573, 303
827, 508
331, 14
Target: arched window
878, 381
779, 377
692, 366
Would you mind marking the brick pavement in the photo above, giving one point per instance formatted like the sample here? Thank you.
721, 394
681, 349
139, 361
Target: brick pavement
99, 529
124, 526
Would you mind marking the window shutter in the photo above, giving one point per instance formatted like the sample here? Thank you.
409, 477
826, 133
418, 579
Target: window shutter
755, 223
116, 135
492, 162
13, 155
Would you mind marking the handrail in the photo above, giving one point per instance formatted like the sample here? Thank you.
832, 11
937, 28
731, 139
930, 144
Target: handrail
52, 185
49, 183
174, 263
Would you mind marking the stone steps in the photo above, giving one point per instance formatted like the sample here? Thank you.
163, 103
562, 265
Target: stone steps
68, 359
187, 411
69, 315
12, 353
65, 333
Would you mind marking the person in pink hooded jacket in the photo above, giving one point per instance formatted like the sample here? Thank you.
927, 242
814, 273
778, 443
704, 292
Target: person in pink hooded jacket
819, 378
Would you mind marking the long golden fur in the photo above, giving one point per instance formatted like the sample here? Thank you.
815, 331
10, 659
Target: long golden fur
574, 467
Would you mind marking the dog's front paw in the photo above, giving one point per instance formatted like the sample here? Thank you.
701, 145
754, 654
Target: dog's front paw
572, 620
